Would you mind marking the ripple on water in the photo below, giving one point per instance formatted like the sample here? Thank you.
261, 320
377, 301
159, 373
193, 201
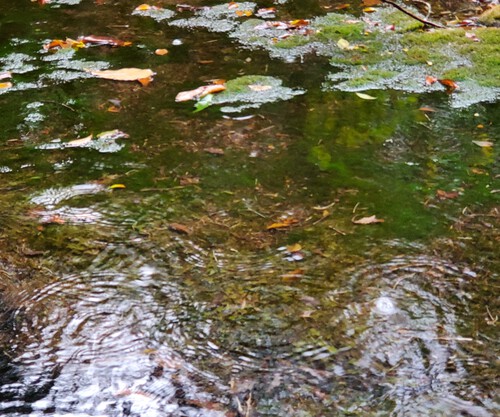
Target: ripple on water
104, 342
148, 338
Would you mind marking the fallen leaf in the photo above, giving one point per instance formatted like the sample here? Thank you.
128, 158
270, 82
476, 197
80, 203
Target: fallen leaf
294, 248
367, 220
298, 23
54, 219
188, 180
5, 85
233, 5
292, 276
60, 44
429, 80
343, 44
441, 194
199, 92
144, 7
214, 151
125, 74
115, 186
179, 228
79, 142
365, 96
103, 40
161, 52
5, 74
472, 36
371, 2
241, 13
483, 143
342, 6
449, 84
369, 10
283, 224
266, 12
479, 171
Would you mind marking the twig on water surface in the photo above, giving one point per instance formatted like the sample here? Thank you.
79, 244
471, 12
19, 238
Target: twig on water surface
61, 104
414, 16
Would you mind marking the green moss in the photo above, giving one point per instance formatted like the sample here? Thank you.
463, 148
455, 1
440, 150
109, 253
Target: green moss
443, 47
293, 41
335, 26
402, 22
371, 76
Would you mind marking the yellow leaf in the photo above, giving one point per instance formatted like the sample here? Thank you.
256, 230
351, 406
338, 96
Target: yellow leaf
282, 225
125, 74
115, 186
143, 7
294, 248
5, 85
369, 10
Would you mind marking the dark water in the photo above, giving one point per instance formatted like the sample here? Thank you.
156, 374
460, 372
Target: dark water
170, 297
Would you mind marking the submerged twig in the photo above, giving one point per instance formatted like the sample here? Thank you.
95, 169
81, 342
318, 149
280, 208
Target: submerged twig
413, 15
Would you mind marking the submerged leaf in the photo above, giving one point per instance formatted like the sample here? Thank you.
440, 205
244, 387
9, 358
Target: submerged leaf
483, 143
365, 96
144, 76
441, 194
103, 40
368, 220
283, 224
179, 228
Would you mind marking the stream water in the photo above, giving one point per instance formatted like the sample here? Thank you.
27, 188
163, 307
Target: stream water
209, 263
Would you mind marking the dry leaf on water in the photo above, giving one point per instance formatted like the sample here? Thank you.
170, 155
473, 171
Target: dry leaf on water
5, 85
429, 80
79, 142
144, 76
449, 84
199, 92
161, 52
368, 220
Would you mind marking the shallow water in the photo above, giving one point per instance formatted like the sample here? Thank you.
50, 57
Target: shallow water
207, 264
